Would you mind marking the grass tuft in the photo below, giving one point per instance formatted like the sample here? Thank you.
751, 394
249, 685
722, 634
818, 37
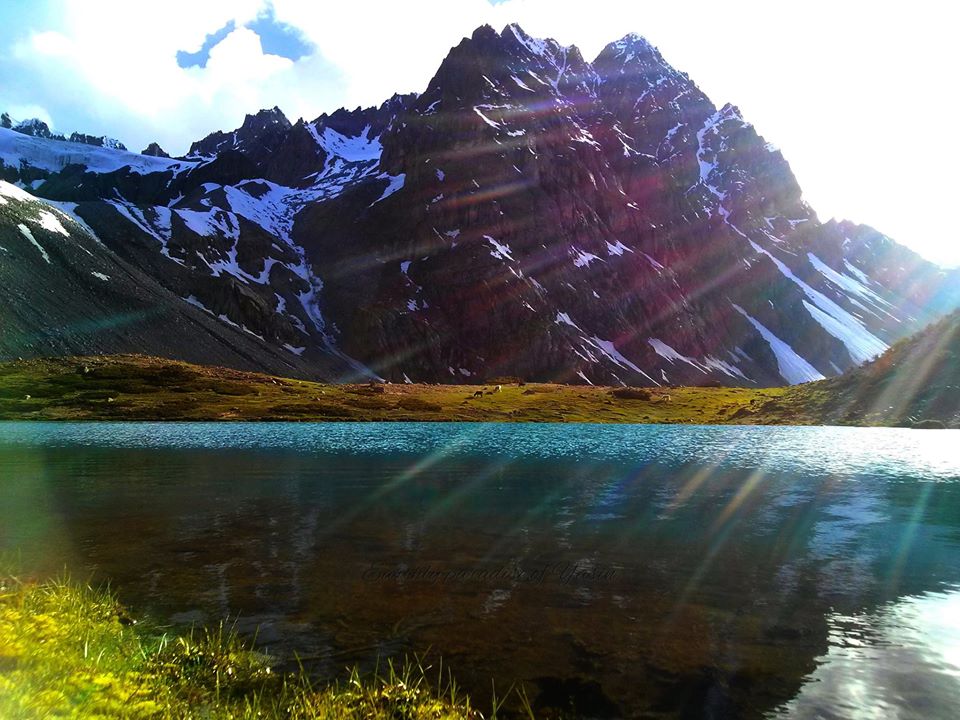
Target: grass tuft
70, 651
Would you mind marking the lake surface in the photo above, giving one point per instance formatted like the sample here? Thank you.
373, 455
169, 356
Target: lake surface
623, 571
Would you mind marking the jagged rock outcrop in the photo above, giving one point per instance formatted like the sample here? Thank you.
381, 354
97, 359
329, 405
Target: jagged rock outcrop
34, 127
102, 141
258, 137
154, 150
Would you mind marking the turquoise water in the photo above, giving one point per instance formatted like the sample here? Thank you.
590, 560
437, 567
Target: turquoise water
655, 571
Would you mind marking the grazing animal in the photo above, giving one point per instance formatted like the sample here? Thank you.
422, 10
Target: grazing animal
478, 393
497, 388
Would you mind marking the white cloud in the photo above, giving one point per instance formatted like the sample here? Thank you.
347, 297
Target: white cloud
23, 112
235, 73
49, 43
857, 94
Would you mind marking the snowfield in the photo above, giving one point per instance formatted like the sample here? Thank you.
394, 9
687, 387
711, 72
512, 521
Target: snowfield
55, 155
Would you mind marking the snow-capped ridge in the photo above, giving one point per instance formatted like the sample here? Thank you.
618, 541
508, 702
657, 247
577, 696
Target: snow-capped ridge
35, 127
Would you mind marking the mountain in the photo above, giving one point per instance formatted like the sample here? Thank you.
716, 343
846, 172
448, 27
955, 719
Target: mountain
528, 214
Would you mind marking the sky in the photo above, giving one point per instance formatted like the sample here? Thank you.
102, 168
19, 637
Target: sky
859, 96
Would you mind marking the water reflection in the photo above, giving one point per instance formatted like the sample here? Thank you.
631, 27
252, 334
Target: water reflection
874, 659
672, 572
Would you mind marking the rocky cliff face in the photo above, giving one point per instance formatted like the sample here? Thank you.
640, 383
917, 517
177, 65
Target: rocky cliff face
529, 214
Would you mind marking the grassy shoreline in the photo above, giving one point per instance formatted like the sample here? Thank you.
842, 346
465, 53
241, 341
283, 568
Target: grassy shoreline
131, 387
143, 388
68, 650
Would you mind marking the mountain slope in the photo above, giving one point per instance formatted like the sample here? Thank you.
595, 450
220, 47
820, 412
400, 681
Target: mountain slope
62, 292
916, 382
530, 213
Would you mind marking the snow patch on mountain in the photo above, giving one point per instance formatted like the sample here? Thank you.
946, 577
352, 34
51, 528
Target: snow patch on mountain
501, 251
724, 367
483, 117
656, 266
617, 249
536, 46
860, 343
25, 231
793, 368
582, 258
861, 346
706, 157
609, 349
48, 221
671, 355
190, 299
845, 282
520, 83
359, 149
212, 223
395, 183
14, 193
564, 319
857, 272
705, 365
263, 203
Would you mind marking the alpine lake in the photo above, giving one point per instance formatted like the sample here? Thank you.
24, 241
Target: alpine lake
614, 570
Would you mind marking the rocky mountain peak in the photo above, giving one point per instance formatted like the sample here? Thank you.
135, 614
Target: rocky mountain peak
730, 112
257, 137
264, 120
516, 35
154, 150
34, 127
633, 46
484, 33
371, 120
632, 56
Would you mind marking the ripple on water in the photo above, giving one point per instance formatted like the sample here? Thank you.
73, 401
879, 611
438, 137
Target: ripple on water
889, 453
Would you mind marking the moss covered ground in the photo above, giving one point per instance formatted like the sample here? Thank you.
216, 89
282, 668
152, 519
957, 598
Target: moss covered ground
915, 382
145, 388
